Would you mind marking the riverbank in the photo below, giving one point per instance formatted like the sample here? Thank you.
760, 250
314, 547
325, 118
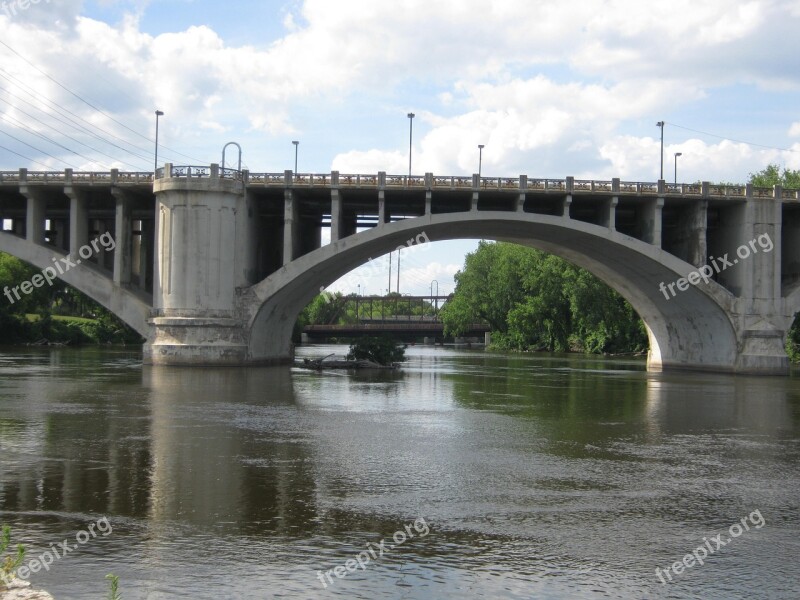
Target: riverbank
62, 330
22, 590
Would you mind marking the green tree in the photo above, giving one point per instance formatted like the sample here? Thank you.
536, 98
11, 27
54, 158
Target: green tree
534, 300
773, 175
379, 349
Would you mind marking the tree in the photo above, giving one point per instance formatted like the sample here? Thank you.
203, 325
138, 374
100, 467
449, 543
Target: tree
379, 349
772, 175
534, 300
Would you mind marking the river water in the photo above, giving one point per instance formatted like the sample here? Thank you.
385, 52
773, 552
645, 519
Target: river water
486, 476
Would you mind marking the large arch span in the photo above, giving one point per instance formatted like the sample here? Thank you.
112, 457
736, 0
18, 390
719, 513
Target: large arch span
133, 309
692, 330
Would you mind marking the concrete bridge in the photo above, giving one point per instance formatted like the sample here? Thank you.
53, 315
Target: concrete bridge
212, 266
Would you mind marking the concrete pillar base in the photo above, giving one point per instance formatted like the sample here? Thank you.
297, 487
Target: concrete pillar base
763, 353
196, 341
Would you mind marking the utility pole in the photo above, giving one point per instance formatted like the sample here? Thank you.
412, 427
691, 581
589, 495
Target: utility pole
661, 124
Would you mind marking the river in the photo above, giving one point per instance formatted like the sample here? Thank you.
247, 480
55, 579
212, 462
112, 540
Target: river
475, 475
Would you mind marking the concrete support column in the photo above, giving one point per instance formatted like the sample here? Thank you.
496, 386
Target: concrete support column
122, 229
383, 212
698, 238
523, 187
565, 206
78, 219
428, 202
246, 238
610, 213
337, 222
291, 222
60, 229
145, 257
35, 215
474, 205
761, 319
194, 296
651, 222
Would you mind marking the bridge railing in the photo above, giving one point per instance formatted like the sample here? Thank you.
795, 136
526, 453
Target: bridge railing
382, 180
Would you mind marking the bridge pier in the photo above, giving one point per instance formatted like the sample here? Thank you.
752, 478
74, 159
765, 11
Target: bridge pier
194, 288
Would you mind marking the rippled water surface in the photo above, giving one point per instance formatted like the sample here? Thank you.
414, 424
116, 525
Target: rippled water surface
533, 476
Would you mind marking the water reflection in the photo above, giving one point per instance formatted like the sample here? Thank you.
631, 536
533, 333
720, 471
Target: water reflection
537, 475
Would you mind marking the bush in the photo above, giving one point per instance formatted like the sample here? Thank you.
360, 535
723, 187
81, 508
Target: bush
382, 350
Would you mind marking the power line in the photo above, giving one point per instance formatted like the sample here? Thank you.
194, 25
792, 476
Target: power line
79, 97
25, 157
60, 110
22, 125
30, 116
722, 137
35, 148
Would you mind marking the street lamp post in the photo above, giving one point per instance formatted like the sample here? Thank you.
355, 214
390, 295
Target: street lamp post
296, 144
410, 132
480, 158
436, 300
677, 154
155, 161
661, 124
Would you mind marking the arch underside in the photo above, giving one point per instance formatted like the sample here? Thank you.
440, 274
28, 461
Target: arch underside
691, 330
131, 308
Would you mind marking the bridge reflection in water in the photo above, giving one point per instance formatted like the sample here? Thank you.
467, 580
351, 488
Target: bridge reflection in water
221, 481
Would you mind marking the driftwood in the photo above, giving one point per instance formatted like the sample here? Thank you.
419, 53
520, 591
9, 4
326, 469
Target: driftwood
322, 363
46, 342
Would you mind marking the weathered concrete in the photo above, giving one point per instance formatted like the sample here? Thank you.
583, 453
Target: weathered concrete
216, 235
133, 307
194, 314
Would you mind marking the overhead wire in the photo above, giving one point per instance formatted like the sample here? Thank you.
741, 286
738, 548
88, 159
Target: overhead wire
37, 149
33, 160
82, 99
61, 110
98, 151
722, 137
24, 127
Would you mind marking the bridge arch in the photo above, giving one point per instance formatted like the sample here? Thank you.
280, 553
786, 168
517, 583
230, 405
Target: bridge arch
132, 309
694, 329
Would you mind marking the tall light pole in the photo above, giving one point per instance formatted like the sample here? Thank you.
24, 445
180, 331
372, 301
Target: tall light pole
155, 161
389, 290
661, 124
436, 306
398, 271
296, 144
677, 154
480, 158
410, 132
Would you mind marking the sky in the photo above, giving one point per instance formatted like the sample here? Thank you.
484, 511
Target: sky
551, 89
